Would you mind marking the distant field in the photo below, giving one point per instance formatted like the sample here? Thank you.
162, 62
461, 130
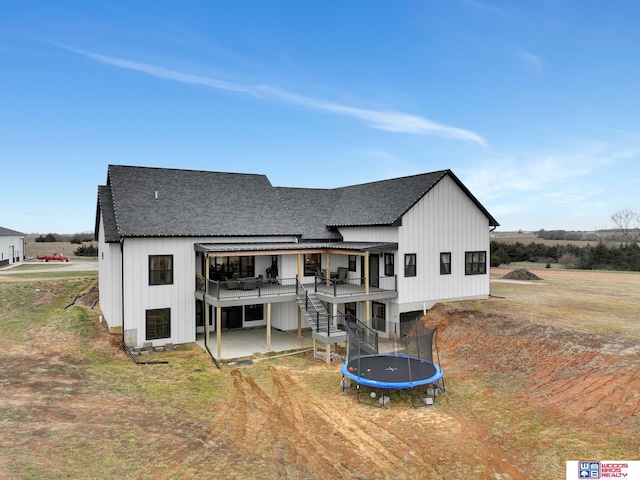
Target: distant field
530, 237
33, 248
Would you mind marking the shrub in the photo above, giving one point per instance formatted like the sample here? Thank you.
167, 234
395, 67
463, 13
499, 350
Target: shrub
49, 237
86, 251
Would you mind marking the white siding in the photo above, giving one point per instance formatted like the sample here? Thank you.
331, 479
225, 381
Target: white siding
140, 296
179, 297
11, 248
284, 316
109, 283
445, 220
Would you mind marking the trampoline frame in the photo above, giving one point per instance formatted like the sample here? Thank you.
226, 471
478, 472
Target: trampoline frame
435, 381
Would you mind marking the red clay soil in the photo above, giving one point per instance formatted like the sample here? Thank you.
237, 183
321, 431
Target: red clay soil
581, 375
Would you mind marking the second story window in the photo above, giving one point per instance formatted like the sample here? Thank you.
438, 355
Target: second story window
160, 269
409, 264
388, 265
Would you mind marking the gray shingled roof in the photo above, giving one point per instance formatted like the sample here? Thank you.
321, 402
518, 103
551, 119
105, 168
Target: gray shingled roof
7, 232
143, 201
386, 201
105, 202
312, 208
169, 202
383, 202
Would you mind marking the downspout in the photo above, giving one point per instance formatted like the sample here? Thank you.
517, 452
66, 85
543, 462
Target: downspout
122, 289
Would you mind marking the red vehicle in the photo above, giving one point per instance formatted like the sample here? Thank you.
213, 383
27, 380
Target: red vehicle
54, 257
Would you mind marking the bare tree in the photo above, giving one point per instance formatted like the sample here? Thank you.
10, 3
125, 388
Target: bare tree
628, 221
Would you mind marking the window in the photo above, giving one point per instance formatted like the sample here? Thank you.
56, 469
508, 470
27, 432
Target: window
158, 324
409, 264
388, 265
311, 264
445, 263
253, 313
379, 320
160, 269
475, 263
232, 267
352, 263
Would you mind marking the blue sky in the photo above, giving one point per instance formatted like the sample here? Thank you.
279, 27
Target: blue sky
533, 104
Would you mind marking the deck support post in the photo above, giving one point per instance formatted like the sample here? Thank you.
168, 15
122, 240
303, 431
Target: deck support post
367, 313
366, 272
328, 352
268, 327
218, 330
299, 322
206, 323
328, 279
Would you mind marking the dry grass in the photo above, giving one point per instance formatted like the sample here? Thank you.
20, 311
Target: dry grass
585, 301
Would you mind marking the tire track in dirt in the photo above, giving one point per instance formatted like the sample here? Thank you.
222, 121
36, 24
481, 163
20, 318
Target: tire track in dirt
321, 459
279, 431
363, 450
375, 446
428, 453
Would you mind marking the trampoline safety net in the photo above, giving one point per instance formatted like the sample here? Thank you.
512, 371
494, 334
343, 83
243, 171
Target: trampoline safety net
414, 340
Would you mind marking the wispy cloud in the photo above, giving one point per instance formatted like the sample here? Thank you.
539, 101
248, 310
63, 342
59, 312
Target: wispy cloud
535, 171
574, 181
532, 61
388, 120
489, 8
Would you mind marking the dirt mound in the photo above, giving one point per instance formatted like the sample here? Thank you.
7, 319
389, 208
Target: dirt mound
577, 373
521, 274
89, 298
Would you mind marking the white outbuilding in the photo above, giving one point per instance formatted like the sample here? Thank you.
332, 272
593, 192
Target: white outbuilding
11, 246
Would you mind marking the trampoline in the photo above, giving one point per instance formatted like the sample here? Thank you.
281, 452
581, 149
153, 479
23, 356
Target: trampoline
410, 366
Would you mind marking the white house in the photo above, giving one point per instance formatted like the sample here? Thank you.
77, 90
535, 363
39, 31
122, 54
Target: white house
11, 246
183, 252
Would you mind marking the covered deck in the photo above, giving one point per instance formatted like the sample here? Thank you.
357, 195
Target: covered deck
232, 275
242, 291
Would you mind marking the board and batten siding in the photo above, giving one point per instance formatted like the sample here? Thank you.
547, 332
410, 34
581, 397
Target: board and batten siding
109, 280
444, 220
139, 296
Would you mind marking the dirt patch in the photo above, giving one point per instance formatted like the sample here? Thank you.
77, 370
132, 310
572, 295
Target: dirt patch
89, 298
521, 274
581, 375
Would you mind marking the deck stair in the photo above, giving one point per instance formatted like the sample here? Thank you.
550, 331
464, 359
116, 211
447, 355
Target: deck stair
319, 318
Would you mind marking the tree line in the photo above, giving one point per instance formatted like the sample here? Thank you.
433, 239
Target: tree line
600, 256
89, 250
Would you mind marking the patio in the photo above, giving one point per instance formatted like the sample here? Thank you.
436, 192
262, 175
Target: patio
253, 342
